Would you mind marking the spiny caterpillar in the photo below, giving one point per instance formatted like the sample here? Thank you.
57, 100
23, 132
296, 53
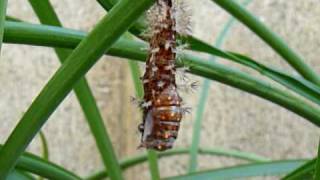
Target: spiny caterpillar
162, 111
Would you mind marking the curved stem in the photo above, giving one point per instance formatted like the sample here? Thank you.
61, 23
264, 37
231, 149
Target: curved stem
51, 36
129, 162
271, 38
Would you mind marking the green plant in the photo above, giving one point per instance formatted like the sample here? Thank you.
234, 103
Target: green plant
88, 48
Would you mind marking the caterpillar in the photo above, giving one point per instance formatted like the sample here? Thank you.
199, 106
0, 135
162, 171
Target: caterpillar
162, 111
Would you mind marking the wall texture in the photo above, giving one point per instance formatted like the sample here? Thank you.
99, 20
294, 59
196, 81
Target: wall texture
233, 119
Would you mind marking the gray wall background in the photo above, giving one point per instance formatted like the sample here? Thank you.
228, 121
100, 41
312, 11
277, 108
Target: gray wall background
233, 119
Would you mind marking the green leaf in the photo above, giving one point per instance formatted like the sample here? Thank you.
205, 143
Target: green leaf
272, 39
241, 171
137, 28
299, 85
45, 149
132, 161
100, 39
3, 9
19, 175
305, 172
153, 164
10, 18
47, 15
317, 168
36, 165
43, 168
54, 36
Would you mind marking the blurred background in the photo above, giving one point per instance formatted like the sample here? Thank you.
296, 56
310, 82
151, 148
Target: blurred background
233, 119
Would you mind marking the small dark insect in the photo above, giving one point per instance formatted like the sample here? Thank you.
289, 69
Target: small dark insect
162, 110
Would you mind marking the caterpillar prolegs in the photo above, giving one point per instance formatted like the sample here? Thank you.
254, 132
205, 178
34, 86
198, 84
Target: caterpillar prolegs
162, 111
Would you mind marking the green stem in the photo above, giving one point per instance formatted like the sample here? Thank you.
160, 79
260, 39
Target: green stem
3, 10
51, 36
45, 149
244, 171
317, 167
39, 166
246, 82
100, 39
153, 164
305, 171
132, 161
272, 39
10, 18
43, 168
20, 175
47, 15
203, 100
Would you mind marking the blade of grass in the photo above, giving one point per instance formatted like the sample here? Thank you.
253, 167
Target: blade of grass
19, 175
306, 171
43, 168
45, 149
3, 10
47, 15
271, 38
242, 171
39, 166
317, 168
203, 100
100, 39
132, 161
153, 164
299, 85
10, 18
35, 35
52, 36
255, 86
44, 145
137, 28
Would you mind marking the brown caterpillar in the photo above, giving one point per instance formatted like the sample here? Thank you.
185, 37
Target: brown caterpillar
162, 110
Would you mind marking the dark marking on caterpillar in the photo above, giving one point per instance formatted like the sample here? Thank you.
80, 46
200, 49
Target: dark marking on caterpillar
163, 112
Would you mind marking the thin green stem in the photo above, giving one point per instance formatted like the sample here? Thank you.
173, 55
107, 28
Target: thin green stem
203, 100
137, 28
132, 161
3, 10
10, 18
44, 145
99, 40
305, 171
153, 164
271, 38
39, 166
317, 167
45, 149
244, 171
53, 36
20, 175
47, 15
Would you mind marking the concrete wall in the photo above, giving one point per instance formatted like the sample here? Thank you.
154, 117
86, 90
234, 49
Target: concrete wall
233, 119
